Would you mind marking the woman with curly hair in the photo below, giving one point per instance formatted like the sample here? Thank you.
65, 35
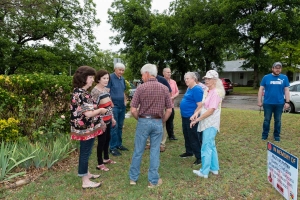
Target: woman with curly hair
86, 122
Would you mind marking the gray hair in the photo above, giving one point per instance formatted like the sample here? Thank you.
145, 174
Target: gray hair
191, 75
166, 68
119, 66
198, 76
150, 68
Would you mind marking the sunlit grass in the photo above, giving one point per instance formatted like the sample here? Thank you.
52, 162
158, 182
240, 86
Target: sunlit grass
242, 156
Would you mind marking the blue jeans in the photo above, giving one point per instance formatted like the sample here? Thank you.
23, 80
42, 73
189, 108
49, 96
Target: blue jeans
268, 110
209, 151
116, 131
192, 139
84, 154
145, 128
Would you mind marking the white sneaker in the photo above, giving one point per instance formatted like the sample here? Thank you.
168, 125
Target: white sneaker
132, 182
214, 172
198, 173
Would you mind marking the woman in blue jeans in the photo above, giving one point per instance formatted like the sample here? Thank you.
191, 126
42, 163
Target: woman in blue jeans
209, 123
86, 122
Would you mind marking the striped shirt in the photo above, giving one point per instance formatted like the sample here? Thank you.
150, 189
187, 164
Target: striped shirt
152, 98
103, 100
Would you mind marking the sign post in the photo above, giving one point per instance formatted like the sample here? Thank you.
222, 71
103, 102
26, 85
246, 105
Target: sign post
283, 171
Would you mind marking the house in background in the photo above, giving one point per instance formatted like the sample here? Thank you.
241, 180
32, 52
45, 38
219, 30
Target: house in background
237, 74
240, 76
233, 70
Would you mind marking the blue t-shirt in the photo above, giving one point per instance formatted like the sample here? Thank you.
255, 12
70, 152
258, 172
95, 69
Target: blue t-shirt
189, 101
274, 88
117, 88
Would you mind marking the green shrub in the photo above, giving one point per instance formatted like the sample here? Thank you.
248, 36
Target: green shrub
36, 100
9, 129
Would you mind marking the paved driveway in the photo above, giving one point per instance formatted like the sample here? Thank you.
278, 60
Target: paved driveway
233, 101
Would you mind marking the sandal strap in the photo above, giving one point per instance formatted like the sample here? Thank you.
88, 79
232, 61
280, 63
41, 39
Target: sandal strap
109, 161
103, 167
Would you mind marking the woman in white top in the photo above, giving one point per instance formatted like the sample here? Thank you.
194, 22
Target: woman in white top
209, 123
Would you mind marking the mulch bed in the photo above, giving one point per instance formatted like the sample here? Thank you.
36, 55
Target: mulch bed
33, 173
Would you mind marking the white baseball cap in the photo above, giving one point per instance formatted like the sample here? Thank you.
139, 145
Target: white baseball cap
211, 74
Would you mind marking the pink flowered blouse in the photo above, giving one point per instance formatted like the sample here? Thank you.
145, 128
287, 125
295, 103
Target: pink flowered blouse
82, 127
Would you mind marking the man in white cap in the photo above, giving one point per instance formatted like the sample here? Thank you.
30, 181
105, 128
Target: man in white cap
276, 97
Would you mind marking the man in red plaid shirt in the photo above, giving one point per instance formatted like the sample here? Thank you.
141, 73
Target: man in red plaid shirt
155, 107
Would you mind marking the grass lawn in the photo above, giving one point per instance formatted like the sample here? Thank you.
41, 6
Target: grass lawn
244, 90
242, 157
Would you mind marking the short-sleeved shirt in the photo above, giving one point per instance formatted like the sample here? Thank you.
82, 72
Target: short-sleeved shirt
117, 88
189, 101
274, 88
83, 127
102, 99
152, 98
164, 81
203, 86
174, 88
211, 100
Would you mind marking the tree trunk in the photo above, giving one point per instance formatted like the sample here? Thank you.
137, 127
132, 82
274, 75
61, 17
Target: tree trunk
257, 51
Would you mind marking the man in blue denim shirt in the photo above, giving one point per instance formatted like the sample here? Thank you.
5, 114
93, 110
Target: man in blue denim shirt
117, 89
276, 87
147, 106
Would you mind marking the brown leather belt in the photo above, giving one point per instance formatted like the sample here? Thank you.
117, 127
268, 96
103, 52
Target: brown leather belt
150, 116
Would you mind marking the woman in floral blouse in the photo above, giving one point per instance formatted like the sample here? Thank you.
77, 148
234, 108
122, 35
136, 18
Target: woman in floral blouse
86, 123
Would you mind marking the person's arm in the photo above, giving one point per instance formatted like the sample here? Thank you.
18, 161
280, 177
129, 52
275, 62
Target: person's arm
93, 113
125, 99
259, 96
197, 111
208, 113
177, 92
167, 114
287, 97
134, 112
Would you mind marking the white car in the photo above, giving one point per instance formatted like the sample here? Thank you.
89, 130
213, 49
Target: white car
294, 97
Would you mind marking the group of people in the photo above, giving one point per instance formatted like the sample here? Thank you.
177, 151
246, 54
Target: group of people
100, 114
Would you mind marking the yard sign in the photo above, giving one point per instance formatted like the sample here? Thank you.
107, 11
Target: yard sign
283, 171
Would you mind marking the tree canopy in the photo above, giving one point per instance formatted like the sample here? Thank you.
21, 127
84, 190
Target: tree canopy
192, 35
46, 35
199, 34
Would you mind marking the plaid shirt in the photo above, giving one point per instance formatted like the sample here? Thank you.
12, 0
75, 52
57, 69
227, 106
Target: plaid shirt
152, 97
